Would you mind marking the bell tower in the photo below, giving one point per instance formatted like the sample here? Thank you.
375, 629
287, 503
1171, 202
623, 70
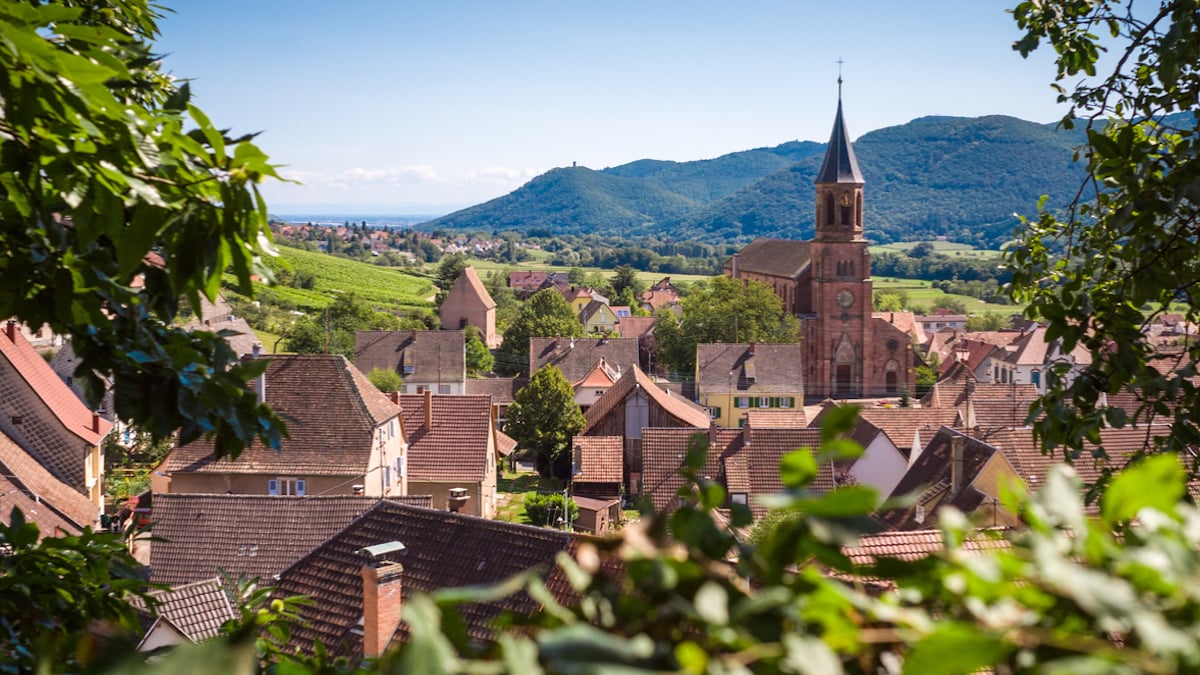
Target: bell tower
837, 338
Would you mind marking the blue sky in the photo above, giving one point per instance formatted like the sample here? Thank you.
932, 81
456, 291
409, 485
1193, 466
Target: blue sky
425, 107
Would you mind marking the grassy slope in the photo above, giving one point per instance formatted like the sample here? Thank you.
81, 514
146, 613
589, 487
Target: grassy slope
383, 287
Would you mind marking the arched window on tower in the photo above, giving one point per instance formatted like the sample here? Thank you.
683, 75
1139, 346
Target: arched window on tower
829, 208
858, 209
846, 210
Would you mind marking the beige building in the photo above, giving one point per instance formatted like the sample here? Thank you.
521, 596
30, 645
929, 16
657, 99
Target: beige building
44, 418
469, 304
453, 445
344, 437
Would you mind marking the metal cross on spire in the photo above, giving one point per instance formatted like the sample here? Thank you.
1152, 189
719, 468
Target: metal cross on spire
840, 62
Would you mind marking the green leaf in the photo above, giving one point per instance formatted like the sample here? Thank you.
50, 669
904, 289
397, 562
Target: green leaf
797, 468
1156, 482
955, 648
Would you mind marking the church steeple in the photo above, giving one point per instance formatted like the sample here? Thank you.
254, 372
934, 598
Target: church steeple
839, 185
839, 166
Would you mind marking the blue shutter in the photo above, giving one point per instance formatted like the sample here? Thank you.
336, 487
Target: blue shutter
301, 484
273, 487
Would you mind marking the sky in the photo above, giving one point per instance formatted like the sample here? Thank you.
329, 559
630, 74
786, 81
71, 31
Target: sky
391, 107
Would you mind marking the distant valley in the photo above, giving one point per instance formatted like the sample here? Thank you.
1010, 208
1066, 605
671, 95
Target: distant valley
957, 178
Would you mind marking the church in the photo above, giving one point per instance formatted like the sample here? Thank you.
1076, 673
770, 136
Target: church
850, 351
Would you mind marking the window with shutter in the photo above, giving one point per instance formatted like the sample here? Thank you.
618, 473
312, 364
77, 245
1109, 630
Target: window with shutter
273, 487
301, 487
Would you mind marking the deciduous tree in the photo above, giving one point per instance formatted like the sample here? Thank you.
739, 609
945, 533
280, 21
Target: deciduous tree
545, 314
543, 417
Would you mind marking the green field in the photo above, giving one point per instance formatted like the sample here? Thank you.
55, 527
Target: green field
922, 294
950, 248
383, 287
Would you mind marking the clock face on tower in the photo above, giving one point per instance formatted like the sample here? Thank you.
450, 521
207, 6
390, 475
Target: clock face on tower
845, 298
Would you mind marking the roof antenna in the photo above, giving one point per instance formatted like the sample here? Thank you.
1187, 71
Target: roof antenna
840, 62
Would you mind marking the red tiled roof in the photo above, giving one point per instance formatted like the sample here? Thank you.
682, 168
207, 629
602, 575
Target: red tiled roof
457, 448
441, 550
664, 452
600, 376
197, 610
57, 445
679, 408
902, 424
762, 451
930, 477
331, 411
246, 535
793, 418
636, 326
917, 544
42, 498
600, 459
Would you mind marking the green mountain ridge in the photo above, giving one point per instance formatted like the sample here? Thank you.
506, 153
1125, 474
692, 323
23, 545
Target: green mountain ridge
954, 177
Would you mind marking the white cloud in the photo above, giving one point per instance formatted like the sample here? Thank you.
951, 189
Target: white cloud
420, 174
500, 175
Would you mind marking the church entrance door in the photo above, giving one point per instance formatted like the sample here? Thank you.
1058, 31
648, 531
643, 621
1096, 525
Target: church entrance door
891, 381
842, 379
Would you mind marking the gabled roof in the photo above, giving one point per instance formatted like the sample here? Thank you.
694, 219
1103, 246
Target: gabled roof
599, 459
58, 445
948, 394
470, 284
839, 165
792, 418
761, 452
1029, 349
500, 389
594, 307
527, 279
905, 321
751, 368
246, 535
902, 424
929, 476
576, 357
684, 411
636, 326
418, 355
660, 298
196, 610
602, 375
664, 452
441, 550
42, 498
331, 411
241, 336
772, 257
459, 445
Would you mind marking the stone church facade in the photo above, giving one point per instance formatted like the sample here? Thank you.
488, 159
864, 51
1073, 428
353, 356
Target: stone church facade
849, 352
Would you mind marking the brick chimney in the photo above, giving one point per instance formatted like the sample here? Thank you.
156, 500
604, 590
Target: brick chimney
956, 463
10, 330
428, 410
382, 602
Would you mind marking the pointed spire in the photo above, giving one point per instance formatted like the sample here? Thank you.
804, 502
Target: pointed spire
839, 166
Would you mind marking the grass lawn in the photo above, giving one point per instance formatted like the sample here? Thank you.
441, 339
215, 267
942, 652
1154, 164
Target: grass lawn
513, 487
950, 248
489, 266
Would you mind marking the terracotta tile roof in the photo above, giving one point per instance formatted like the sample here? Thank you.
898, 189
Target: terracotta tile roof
792, 418
457, 447
775, 257
1029, 349
636, 326
989, 413
328, 435
756, 368
56, 444
680, 409
917, 544
530, 280
929, 476
441, 550
575, 357
418, 355
501, 389
664, 451
947, 394
906, 322
600, 376
246, 535
505, 444
599, 459
658, 299
903, 424
761, 452
196, 610
42, 498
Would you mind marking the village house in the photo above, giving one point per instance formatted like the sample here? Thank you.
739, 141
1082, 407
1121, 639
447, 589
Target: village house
186, 614
44, 499
578, 357
427, 360
469, 304
597, 482
363, 577
599, 319
732, 379
42, 416
453, 451
347, 440
247, 536
633, 403
940, 319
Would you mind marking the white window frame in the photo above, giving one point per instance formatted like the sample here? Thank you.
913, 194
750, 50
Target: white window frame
742, 401
295, 487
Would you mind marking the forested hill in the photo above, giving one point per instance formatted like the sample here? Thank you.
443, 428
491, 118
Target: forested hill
962, 178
